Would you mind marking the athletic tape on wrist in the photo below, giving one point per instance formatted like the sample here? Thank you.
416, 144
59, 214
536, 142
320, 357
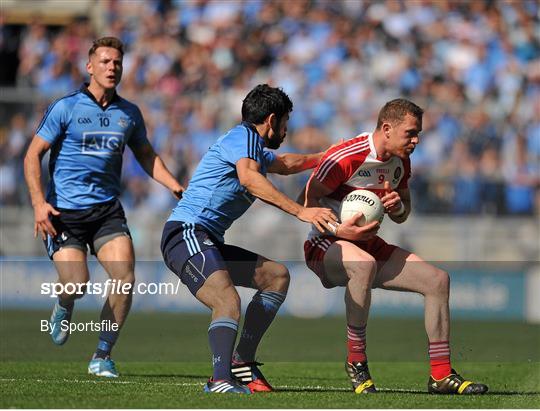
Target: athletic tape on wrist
401, 210
334, 228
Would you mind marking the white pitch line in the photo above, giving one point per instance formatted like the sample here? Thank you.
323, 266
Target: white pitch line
323, 388
188, 384
98, 381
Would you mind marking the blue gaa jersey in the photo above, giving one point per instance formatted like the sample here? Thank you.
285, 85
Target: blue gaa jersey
214, 197
87, 143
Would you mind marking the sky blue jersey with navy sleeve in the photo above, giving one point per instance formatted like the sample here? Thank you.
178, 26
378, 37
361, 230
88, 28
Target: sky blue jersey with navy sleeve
87, 142
214, 197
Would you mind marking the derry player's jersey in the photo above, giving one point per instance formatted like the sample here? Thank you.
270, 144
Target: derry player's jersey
353, 165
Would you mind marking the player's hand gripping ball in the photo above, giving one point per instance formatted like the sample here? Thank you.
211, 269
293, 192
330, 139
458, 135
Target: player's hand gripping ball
364, 201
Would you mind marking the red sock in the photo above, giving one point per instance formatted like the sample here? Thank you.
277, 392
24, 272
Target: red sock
439, 359
356, 344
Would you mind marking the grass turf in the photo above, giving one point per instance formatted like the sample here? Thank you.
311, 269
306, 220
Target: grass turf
164, 361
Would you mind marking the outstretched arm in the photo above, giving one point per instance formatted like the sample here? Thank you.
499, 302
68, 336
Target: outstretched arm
290, 163
156, 168
32, 173
261, 187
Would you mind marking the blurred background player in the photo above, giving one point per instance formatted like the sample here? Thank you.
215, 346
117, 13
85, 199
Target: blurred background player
356, 258
87, 132
229, 178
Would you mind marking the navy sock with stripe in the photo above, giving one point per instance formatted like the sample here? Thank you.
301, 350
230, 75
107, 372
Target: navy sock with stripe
66, 304
107, 339
221, 336
259, 315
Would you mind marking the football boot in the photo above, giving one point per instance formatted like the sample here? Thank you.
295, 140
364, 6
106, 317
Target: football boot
361, 380
224, 386
249, 374
455, 384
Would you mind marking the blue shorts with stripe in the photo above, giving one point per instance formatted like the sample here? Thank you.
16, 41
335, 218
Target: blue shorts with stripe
193, 255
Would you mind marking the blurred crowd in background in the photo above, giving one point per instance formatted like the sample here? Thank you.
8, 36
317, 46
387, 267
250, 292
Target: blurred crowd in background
474, 66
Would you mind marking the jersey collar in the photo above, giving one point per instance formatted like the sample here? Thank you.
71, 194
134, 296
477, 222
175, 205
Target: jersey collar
372, 147
251, 127
84, 89
254, 129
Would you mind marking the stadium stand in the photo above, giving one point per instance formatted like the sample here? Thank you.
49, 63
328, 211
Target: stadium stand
474, 67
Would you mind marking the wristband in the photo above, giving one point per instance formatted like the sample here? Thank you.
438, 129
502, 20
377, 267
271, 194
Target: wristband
334, 228
401, 210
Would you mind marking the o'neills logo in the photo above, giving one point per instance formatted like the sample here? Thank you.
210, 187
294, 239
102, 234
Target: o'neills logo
360, 197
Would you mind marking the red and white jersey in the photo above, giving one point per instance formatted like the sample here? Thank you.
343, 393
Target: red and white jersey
353, 165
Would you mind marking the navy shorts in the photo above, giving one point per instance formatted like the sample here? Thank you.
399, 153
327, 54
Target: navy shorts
193, 255
87, 229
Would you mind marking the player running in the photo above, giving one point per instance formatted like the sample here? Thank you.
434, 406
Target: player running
357, 259
87, 132
229, 178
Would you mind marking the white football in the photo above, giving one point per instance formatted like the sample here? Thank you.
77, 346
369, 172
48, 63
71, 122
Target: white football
364, 201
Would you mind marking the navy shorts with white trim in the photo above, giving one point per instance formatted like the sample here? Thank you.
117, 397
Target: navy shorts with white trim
193, 255
90, 228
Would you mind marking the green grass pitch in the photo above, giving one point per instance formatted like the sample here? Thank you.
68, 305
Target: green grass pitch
163, 359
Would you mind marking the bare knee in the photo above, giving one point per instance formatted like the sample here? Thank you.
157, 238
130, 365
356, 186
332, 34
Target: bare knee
439, 283
125, 277
226, 303
73, 288
72, 276
361, 273
280, 279
81, 290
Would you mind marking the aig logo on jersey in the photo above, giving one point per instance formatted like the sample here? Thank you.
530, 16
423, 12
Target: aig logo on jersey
102, 143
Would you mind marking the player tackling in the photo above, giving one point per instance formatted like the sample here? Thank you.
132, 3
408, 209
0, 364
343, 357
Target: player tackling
229, 178
357, 259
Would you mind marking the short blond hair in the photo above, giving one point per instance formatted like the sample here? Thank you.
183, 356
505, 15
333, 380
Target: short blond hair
112, 42
394, 112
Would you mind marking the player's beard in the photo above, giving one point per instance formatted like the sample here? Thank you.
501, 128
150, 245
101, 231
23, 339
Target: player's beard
275, 142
